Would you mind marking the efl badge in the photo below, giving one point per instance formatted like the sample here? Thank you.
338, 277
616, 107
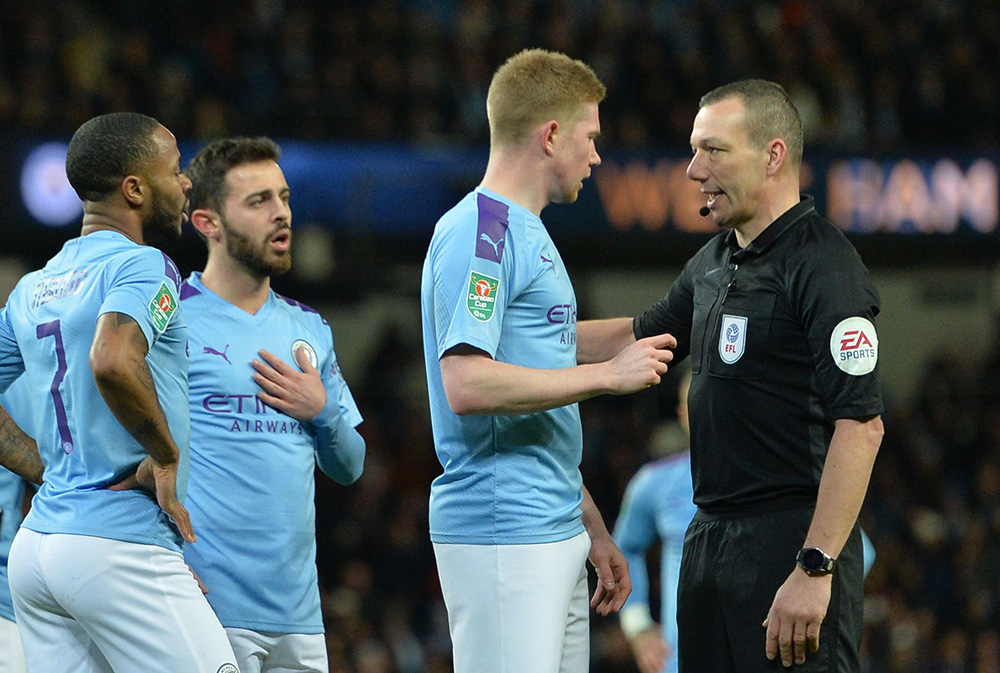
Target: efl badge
482, 296
163, 305
854, 346
309, 350
732, 338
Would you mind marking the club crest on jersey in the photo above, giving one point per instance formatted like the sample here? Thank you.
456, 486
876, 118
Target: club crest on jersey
482, 296
854, 346
163, 305
227, 668
309, 350
732, 338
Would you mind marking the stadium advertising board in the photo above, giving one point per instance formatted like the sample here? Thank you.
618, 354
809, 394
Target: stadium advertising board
394, 190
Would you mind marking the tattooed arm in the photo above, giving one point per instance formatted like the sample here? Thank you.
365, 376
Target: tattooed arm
118, 361
18, 451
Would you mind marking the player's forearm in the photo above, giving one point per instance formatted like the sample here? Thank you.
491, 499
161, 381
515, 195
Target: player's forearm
601, 340
18, 451
842, 488
131, 396
340, 450
591, 517
639, 572
477, 384
118, 362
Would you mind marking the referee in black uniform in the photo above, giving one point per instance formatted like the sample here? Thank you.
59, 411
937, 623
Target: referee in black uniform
777, 313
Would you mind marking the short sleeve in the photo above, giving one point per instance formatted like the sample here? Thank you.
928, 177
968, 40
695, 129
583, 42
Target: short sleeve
11, 362
145, 287
838, 303
471, 291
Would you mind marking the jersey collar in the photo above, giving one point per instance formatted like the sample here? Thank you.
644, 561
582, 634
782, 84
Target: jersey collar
806, 206
257, 318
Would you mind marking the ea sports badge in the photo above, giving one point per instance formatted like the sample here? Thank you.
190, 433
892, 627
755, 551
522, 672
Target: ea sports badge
732, 338
854, 346
309, 350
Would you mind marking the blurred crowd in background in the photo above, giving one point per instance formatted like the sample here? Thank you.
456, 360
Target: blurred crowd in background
877, 76
867, 75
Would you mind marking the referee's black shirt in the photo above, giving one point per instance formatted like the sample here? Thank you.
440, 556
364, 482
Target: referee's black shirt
782, 343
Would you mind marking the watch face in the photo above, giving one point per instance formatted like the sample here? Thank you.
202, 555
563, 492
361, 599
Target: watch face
812, 559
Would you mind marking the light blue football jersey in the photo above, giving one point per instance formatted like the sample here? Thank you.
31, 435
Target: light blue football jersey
17, 403
252, 482
11, 492
493, 279
867, 552
658, 505
46, 331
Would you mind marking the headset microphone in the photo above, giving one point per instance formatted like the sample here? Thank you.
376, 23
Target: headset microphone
704, 212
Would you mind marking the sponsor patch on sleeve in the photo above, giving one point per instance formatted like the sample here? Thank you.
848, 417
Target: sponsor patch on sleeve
482, 295
854, 346
162, 307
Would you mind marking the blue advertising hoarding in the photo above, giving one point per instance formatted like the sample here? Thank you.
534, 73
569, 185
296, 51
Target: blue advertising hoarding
401, 191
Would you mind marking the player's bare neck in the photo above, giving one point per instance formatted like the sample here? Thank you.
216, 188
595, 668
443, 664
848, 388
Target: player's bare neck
247, 292
98, 220
516, 175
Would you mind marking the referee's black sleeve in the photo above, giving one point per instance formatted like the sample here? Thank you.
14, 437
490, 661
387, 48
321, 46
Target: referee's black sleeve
671, 315
831, 285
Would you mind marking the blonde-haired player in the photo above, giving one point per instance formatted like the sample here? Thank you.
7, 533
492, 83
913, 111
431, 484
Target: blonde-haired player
511, 523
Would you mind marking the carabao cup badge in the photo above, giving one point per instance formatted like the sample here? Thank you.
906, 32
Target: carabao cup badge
482, 295
309, 350
162, 307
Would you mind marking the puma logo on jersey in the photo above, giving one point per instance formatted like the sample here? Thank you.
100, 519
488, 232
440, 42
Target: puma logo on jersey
491, 230
208, 350
493, 244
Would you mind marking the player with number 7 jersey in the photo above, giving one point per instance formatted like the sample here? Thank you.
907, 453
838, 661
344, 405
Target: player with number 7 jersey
96, 571
48, 324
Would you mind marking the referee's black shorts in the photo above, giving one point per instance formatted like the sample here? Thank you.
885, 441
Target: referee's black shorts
731, 569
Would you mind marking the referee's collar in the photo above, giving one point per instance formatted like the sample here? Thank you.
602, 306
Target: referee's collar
758, 245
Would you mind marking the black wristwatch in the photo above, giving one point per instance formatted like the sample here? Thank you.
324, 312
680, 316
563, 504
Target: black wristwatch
815, 562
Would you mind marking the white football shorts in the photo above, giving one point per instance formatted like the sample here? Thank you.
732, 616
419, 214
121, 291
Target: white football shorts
517, 608
263, 652
11, 652
93, 605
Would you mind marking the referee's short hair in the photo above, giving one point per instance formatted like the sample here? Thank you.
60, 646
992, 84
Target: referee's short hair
107, 149
769, 114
